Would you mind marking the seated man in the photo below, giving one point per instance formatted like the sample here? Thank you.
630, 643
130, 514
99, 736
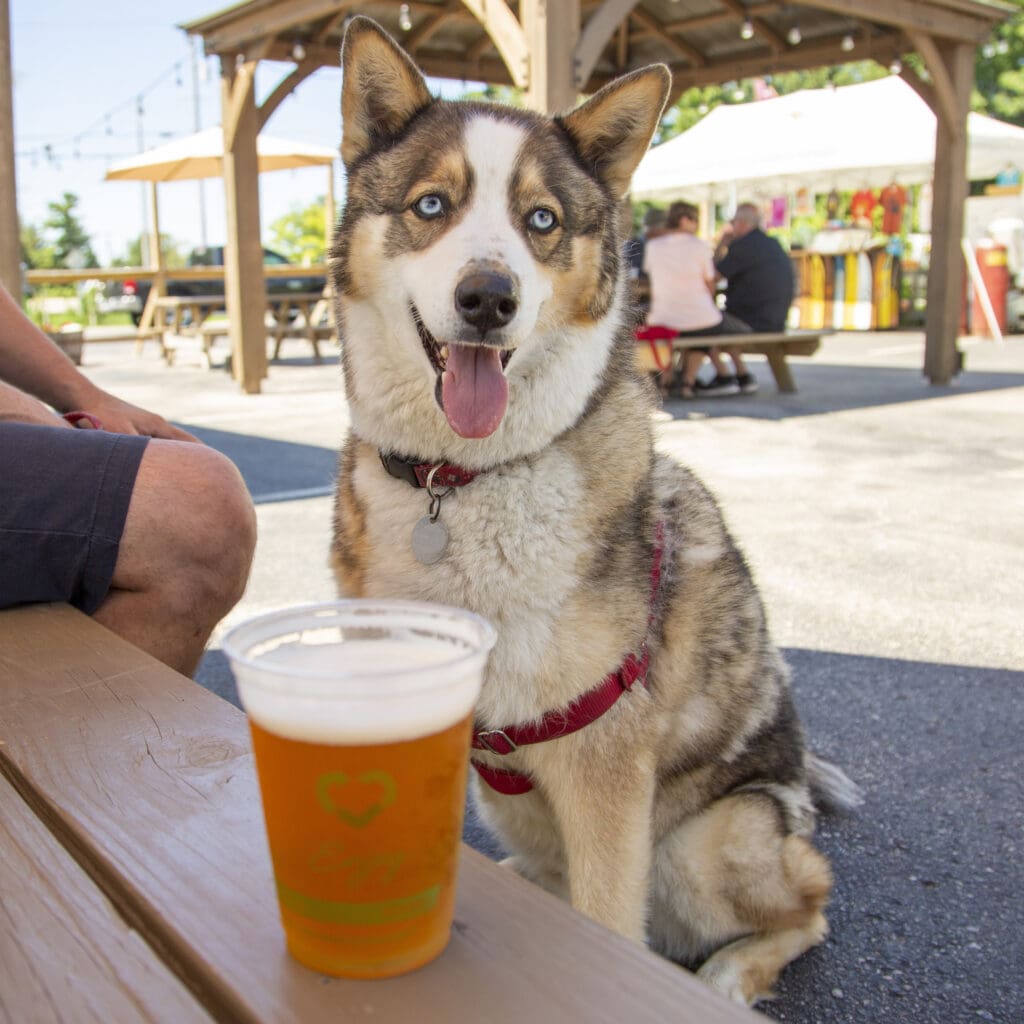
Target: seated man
758, 272
136, 524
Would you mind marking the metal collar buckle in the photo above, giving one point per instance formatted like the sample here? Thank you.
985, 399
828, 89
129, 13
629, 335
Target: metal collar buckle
497, 734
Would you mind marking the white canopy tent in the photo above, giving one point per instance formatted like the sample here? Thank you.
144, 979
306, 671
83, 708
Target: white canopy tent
854, 136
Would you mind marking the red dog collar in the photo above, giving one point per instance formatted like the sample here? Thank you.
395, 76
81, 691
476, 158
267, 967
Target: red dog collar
416, 473
581, 712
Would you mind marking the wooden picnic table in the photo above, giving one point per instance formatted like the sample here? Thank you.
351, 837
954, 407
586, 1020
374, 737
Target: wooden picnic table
182, 319
136, 883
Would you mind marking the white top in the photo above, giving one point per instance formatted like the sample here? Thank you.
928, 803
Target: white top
680, 267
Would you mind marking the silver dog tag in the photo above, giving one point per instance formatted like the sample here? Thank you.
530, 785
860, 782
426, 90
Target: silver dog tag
429, 540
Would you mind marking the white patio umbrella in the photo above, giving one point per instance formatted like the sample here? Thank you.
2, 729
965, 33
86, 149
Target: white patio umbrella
202, 156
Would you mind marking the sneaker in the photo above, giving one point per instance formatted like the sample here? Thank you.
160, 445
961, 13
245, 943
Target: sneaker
747, 383
717, 387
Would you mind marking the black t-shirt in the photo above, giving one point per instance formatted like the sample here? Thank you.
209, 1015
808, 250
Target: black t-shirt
760, 281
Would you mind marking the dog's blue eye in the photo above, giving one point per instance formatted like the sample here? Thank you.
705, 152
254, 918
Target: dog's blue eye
542, 220
428, 207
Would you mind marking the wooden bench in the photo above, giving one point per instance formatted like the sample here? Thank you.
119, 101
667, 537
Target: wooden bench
776, 347
136, 882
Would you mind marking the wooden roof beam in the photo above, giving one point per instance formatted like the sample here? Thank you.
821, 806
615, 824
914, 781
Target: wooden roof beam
689, 53
431, 24
238, 32
326, 55
596, 34
775, 42
883, 48
507, 34
918, 15
945, 102
285, 88
684, 25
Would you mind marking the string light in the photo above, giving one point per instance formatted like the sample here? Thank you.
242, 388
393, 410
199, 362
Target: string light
747, 28
298, 51
896, 66
404, 18
847, 44
794, 36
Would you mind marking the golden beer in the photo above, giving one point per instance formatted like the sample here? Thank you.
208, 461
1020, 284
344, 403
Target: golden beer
365, 844
360, 713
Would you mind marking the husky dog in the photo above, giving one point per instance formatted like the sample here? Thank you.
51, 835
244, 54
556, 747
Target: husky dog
637, 748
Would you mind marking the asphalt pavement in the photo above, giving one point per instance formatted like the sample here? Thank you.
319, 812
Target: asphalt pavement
884, 521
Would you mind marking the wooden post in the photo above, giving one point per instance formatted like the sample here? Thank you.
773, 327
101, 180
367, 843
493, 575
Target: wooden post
244, 286
10, 232
946, 270
551, 31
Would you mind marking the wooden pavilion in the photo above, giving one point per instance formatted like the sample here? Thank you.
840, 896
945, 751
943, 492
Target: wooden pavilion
557, 49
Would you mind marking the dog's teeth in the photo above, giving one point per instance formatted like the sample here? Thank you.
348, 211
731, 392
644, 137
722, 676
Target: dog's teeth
444, 352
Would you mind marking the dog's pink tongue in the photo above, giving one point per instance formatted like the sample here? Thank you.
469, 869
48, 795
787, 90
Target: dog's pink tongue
474, 391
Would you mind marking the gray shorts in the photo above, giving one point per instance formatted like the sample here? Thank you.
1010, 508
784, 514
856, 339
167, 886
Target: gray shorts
64, 498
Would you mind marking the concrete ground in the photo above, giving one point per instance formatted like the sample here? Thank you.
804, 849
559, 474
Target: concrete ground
884, 520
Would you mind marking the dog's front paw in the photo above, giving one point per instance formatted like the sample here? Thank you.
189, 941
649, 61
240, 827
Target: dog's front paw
513, 863
723, 973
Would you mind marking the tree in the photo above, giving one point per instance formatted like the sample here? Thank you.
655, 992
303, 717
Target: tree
169, 249
72, 244
36, 252
301, 234
999, 73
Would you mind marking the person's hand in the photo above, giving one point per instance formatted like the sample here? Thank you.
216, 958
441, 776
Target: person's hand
122, 417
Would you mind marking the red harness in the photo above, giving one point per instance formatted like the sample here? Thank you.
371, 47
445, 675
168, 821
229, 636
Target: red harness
584, 709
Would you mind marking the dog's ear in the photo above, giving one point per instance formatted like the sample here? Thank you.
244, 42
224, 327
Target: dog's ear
381, 88
613, 129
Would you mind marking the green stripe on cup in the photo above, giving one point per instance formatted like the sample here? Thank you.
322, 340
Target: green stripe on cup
383, 912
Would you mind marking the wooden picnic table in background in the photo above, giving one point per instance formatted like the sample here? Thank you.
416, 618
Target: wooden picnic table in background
181, 320
136, 881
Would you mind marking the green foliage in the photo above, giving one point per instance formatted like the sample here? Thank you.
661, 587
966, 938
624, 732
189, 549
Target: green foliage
71, 244
301, 234
36, 252
173, 254
507, 95
999, 72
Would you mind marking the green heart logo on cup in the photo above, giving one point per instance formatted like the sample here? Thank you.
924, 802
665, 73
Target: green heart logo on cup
331, 783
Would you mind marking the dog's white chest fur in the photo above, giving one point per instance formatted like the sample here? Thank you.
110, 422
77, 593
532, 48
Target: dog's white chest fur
512, 555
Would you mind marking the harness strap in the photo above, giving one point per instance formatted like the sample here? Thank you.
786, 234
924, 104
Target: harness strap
581, 712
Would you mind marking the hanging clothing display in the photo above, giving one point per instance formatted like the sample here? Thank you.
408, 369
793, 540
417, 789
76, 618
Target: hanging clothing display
862, 205
893, 198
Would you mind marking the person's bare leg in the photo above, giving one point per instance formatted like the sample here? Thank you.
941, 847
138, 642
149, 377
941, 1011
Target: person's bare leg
691, 364
736, 355
718, 362
185, 553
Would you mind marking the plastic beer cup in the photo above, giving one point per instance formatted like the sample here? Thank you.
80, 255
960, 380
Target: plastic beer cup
361, 713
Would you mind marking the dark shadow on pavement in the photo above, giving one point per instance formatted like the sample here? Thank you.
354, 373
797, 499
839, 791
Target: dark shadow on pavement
927, 917
275, 470
831, 387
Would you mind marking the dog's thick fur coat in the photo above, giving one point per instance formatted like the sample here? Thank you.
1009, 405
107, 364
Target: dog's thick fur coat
481, 306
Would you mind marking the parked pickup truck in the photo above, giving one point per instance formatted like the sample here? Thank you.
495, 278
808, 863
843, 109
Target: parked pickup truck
130, 295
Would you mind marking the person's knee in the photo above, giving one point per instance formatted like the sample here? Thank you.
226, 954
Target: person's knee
191, 529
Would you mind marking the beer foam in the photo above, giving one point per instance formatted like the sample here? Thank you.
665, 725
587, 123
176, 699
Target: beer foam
358, 691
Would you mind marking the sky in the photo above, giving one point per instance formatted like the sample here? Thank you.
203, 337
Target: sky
80, 70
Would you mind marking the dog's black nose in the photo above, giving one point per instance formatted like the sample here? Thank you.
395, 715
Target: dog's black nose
486, 300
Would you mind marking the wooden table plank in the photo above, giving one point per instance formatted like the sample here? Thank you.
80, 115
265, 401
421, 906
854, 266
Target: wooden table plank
149, 778
65, 954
